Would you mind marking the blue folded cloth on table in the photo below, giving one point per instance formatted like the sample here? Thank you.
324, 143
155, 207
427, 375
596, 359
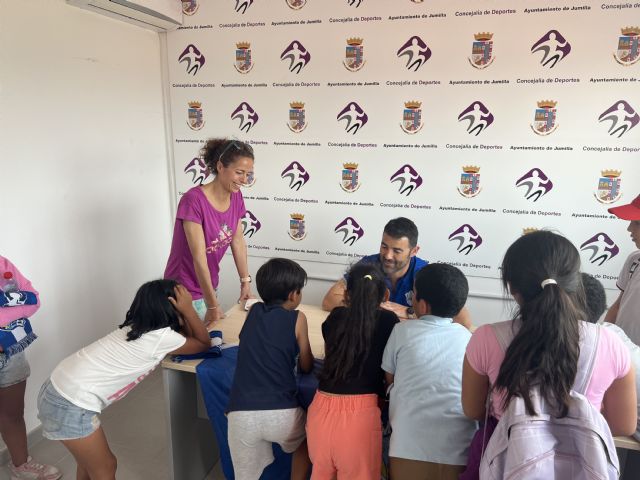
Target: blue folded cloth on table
213, 352
215, 377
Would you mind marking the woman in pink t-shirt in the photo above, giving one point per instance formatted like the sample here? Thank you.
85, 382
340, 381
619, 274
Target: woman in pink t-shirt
210, 219
541, 270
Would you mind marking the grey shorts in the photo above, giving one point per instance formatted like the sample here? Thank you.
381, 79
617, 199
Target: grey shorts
251, 434
15, 370
61, 419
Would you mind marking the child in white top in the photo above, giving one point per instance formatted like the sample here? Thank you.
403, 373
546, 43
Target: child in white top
161, 320
423, 360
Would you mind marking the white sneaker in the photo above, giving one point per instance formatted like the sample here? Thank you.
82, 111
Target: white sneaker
31, 470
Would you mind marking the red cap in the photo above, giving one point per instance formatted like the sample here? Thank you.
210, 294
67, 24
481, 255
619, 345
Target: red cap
630, 211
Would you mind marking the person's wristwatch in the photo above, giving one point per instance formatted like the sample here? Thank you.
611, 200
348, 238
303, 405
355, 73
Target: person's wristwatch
411, 313
246, 279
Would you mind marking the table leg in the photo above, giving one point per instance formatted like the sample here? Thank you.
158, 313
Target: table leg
193, 449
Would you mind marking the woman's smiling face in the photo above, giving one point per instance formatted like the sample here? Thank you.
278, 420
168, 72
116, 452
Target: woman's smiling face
236, 175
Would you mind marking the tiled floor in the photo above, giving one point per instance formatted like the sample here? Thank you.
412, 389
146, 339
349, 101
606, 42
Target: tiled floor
137, 432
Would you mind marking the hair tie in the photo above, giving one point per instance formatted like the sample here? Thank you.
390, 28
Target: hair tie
368, 277
548, 281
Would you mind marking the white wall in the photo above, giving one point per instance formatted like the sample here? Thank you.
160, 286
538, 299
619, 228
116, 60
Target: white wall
83, 168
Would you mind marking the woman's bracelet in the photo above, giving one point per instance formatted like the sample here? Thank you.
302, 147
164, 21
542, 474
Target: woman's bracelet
212, 308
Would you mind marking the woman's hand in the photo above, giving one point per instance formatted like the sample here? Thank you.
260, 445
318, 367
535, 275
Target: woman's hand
213, 316
183, 300
245, 292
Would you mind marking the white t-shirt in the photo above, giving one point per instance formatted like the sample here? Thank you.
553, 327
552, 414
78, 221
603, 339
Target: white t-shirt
109, 368
628, 318
425, 410
634, 352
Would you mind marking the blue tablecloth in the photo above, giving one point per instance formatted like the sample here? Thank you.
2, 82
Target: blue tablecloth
216, 376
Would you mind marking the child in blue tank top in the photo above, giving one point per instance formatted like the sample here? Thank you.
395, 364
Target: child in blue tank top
263, 408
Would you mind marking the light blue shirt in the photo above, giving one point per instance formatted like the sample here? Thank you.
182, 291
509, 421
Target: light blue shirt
425, 356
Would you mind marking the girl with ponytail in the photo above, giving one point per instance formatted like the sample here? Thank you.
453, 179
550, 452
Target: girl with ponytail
541, 271
344, 430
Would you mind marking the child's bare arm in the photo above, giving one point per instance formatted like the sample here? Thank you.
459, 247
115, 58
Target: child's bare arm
612, 313
197, 336
302, 336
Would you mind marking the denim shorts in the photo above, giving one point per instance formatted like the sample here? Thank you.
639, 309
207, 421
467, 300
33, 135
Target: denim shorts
61, 419
16, 370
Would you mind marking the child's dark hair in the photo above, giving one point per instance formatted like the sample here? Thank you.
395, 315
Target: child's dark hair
545, 351
402, 227
151, 309
595, 298
365, 291
224, 151
443, 287
277, 278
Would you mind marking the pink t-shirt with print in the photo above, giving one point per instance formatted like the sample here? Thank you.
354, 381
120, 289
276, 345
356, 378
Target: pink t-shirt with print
218, 228
612, 362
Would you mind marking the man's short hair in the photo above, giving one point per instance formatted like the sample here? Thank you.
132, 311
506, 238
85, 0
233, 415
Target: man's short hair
595, 298
443, 287
402, 227
277, 278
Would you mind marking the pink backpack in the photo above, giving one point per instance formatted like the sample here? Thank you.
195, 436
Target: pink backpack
543, 447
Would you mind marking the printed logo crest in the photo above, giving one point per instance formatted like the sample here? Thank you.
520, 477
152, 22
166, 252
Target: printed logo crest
544, 120
250, 224
297, 55
416, 51
195, 118
482, 50
193, 58
478, 116
297, 121
622, 117
349, 180
628, 51
407, 178
248, 116
242, 5
536, 183
354, 55
412, 117
354, 116
297, 228
189, 7
469, 181
354, 3
609, 186
244, 61
198, 170
296, 4
467, 237
602, 248
296, 174
554, 47
350, 229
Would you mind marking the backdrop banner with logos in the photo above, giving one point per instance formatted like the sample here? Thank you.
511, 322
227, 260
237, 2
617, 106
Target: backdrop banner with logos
478, 120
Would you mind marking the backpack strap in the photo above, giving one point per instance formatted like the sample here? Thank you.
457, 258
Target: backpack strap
504, 332
590, 336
